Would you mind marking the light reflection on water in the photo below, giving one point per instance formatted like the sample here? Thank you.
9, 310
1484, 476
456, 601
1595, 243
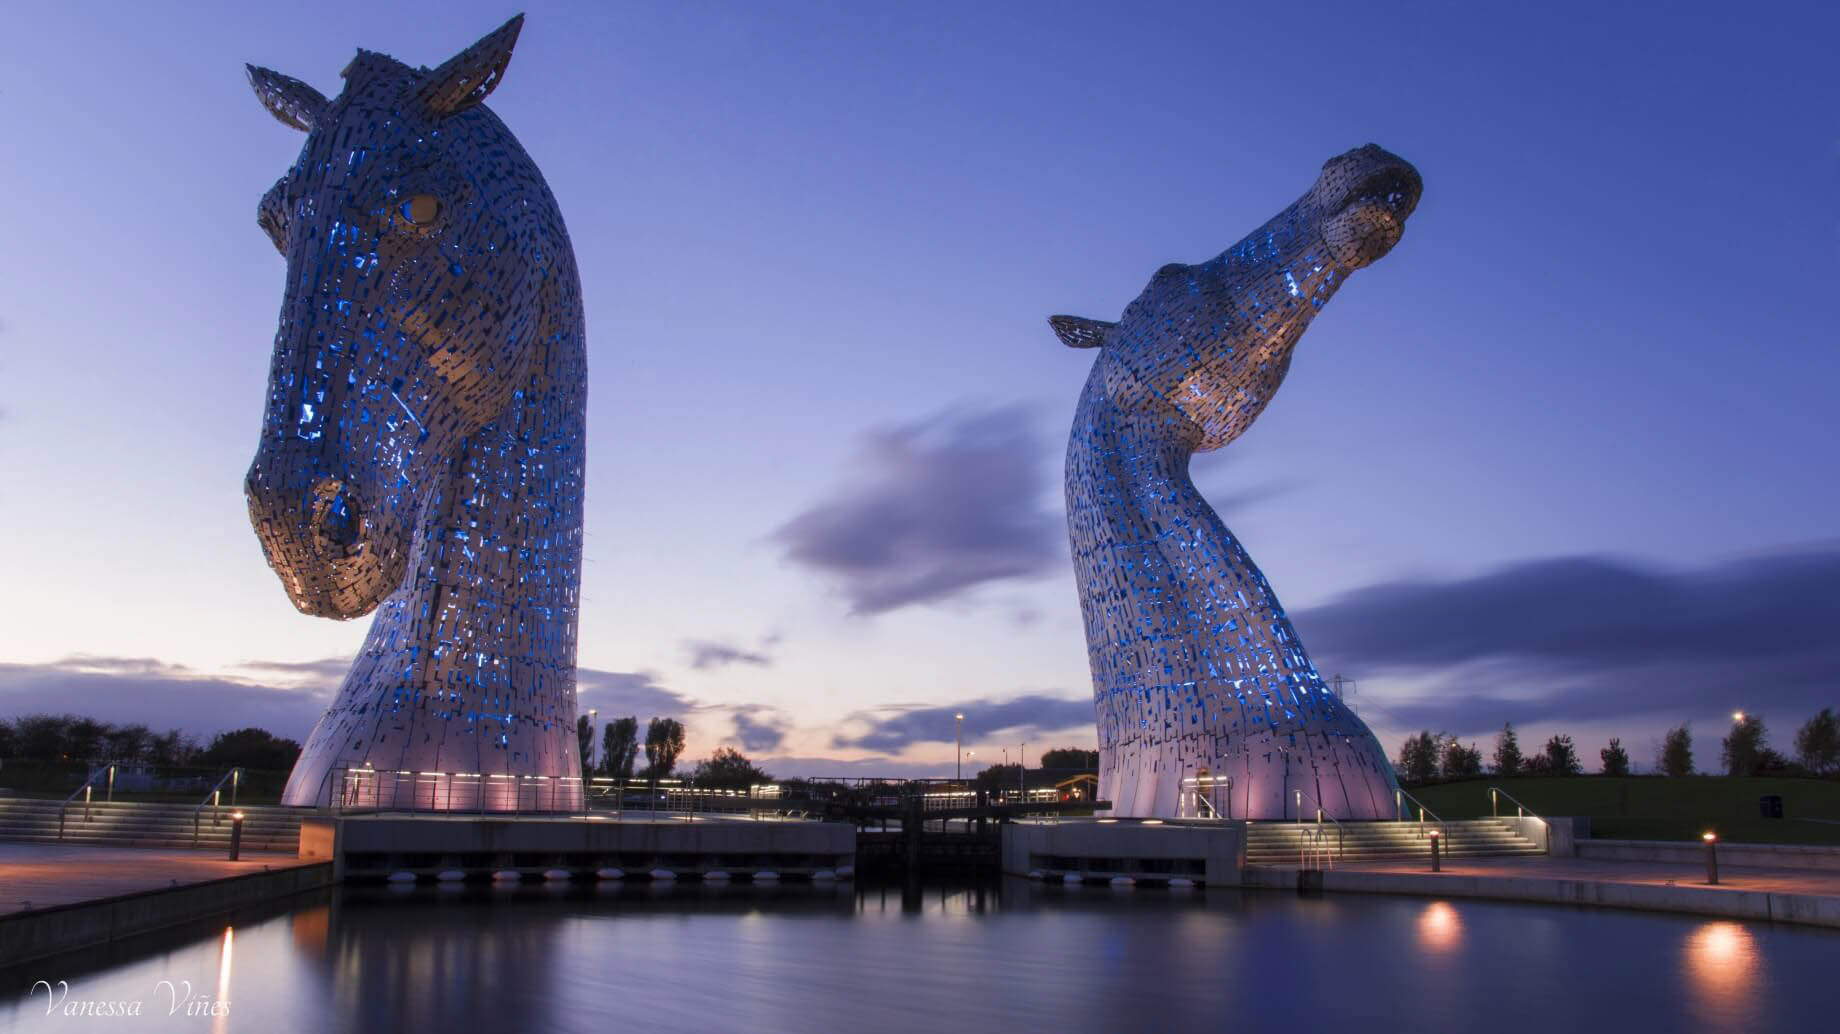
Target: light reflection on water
1016, 957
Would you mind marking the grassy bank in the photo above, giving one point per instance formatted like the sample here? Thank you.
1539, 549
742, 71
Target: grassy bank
1657, 808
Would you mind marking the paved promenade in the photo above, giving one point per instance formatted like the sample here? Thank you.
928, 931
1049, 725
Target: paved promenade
1731, 878
1778, 895
35, 876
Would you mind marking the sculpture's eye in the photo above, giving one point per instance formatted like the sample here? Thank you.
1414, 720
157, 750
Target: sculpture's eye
422, 210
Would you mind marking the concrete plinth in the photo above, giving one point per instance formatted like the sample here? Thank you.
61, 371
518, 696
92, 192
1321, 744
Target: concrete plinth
373, 846
1100, 850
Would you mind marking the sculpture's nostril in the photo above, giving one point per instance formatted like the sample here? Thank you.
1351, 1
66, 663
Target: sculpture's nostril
337, 520
339, 523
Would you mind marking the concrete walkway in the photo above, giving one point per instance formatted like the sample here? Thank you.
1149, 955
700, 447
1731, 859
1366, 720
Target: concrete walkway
35, 876
1731, 878
1781, 895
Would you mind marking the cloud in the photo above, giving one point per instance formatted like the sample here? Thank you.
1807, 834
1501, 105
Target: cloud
125, 690
328, 669
620, 693
705, 654
893, 729
937, 508
760, 728
1593, 638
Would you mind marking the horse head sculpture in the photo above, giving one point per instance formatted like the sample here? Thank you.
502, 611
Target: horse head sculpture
1206, 700
422, 444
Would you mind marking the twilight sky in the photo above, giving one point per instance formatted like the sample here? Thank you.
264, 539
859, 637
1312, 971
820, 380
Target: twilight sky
1565, 457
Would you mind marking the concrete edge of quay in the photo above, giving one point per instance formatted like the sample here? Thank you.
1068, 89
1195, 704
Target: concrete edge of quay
1769, 906
34, 934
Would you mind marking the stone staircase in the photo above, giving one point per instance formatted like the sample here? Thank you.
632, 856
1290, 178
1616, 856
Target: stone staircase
1285, 843
146, 824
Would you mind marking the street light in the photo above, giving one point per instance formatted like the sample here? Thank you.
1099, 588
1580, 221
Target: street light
592, 749
1737, 716
958, 741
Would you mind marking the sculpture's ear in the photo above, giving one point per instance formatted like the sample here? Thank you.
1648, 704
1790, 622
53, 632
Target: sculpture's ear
1079, 332
469, 76
292, 102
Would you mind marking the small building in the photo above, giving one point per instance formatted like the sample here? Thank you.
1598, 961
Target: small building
1082, 787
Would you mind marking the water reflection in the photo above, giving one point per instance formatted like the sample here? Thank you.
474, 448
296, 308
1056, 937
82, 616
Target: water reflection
1722, 967
972, 957
220, 1017
1440, 928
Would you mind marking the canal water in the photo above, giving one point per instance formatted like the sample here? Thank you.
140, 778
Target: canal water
1012, 957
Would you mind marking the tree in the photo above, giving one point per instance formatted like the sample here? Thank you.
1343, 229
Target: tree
584, 742
9, 740
1462, 762
1536, 765
1418, 757
171, 749
1069, 757
1615, 758
1743, 750
999, 777
728, 769
1561, 758
619, 747
1507, 752
41, 736
250, 748
126, 742
1817, 743
1676, 757
664, 741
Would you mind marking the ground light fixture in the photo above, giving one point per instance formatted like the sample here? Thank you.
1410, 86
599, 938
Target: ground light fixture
1436, 862
1712, 856
236, 834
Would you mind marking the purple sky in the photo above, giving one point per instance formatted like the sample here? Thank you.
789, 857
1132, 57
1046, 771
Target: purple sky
1564, 458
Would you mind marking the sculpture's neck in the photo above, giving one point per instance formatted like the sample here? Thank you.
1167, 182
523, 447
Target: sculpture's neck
1138, 447
501, 538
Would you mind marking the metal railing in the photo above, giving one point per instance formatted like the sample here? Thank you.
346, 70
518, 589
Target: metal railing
1317, 836
1521, 811
215, 801
1314, 852
1400, 796
88, 790
1200, 798
374, 789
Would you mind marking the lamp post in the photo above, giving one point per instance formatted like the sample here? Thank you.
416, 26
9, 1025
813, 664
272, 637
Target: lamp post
236, 835
593, 746
958, 742
1436, 862
1712, 857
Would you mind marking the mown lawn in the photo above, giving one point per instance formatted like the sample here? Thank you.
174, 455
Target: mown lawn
1658, 808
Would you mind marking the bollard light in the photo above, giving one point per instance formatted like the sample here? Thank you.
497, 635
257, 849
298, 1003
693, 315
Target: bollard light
1712, 856
236, 834
1436, 862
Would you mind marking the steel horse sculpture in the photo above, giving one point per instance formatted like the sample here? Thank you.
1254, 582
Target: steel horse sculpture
422, 443
1198, 676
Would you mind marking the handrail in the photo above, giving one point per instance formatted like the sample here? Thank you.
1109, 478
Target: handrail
214, 799
1521, 810
88, 792
1199, 798
1443, 827
1321, 813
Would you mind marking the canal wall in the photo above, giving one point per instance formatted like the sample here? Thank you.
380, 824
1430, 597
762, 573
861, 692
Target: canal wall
380, 846
1756, 856
1106, 849
47, 931
1811, 909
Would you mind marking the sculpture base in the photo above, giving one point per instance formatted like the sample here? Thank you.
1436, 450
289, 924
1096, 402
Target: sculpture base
369, 789
1345, 776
